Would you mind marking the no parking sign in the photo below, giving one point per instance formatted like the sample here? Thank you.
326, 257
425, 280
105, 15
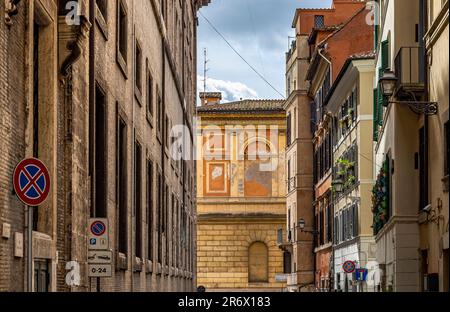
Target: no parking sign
98, 234
31, 181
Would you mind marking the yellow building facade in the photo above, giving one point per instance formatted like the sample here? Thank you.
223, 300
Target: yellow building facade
241, 193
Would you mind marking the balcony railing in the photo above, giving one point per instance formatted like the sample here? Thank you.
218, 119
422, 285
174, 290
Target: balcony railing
284, 240
410, 70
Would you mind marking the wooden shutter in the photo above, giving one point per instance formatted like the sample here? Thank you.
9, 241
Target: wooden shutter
385, 54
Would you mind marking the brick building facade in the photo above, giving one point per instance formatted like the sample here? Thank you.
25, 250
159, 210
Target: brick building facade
94, 95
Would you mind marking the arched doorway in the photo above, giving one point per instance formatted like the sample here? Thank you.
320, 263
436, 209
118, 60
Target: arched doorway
258, 260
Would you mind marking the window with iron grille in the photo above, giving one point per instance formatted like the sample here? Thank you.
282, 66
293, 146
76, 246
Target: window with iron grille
319, 21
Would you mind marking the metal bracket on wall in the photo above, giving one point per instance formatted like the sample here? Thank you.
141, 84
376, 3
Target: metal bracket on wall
420, 107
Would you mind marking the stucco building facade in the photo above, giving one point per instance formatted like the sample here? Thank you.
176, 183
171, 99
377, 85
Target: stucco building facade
241, 199
412, 146
312, 26
351, 105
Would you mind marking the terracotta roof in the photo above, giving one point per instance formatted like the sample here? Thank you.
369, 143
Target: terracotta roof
244, 106
363, 55
355, 57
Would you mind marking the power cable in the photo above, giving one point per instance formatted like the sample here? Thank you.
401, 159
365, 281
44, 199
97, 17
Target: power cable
235, 51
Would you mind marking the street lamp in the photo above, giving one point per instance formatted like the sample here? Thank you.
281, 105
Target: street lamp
302, 224
388, 83
338, 185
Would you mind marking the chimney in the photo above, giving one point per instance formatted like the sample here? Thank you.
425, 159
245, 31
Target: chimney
209, 98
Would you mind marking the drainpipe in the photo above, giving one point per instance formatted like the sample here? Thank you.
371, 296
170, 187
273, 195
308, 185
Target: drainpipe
326, 60
319, 51
133, 184
163, 137
92, 109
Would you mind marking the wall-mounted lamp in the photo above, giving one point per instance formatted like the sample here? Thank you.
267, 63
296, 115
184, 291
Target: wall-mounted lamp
388, 84
302, 224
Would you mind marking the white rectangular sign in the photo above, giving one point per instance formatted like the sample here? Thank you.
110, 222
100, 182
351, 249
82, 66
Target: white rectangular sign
99, 257
98, 234
100, 270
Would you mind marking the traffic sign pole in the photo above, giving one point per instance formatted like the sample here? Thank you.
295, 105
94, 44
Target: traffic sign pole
31, 183
30, 249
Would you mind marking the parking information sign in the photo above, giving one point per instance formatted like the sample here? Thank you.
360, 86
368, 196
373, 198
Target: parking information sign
99, 255
98, 234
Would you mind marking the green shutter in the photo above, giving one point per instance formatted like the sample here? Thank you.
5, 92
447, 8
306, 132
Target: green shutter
375, 115
382, 100
375, 36
385, 54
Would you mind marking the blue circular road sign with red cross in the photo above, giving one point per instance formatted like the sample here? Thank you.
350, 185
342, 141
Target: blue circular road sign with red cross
349, 266
98, 228
31, 182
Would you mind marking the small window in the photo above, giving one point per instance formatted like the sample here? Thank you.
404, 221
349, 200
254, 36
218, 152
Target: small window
150, 210
319, 21
122, 185
103, 7
138, 69
149, 93
446, 149
100, 154
138, 199
122, 31
159, 118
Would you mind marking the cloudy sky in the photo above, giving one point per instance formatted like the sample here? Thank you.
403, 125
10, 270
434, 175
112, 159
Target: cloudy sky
258, 30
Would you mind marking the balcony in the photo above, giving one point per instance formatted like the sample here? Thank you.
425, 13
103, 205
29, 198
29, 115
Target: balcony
283, 242
410, 71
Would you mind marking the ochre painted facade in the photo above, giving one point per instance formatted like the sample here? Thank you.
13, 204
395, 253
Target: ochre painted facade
241, 196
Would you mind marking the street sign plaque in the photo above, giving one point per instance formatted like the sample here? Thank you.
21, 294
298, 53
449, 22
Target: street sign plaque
98, 238
349, 266
100, 270
99, 257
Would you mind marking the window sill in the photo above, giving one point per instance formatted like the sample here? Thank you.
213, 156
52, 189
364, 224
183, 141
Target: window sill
137, 265
121, 262
149, 267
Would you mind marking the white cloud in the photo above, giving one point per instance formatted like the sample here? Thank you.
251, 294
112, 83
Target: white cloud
231, 91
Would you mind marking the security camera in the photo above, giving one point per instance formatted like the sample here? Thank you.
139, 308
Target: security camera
427, 208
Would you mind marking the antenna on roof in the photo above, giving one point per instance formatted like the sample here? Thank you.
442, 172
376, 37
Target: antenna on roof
205, 68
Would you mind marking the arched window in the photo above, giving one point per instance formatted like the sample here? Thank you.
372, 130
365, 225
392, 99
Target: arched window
258, 179
258, 266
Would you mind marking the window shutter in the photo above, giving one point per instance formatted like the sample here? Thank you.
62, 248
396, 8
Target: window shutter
376, 34
385, 54
355, 221
288, 126
375, 115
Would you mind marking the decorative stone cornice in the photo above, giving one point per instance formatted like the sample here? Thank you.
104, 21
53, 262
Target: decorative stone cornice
11, 10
